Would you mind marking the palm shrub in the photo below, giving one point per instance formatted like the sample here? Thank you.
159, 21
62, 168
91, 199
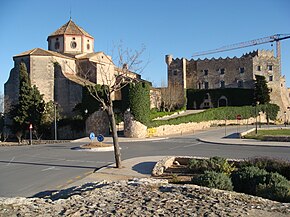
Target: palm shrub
214, 179
246, 179
276, 187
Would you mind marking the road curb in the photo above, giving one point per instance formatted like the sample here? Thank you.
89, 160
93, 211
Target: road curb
242, 144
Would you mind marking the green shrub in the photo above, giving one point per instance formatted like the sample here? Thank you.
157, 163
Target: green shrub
139, 101
246, 179
197, 165
276, 187
214, 179
221, 113
270, 165
217, 164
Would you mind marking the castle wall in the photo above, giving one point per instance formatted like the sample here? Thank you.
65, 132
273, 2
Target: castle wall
230, 73
176, 69
234, 72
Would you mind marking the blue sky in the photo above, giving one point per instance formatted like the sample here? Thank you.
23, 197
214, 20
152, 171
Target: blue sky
179, 27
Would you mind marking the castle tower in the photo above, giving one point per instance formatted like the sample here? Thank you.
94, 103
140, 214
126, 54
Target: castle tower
71, 39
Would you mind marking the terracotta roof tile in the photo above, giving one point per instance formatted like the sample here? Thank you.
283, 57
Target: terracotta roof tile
70, 28
42, 52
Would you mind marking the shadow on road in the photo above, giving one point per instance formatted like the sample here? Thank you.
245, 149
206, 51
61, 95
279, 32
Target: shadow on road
144, 168
44, 164
232, 136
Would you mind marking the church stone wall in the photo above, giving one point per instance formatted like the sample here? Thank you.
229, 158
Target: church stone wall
42, 75
11, 87
69, 40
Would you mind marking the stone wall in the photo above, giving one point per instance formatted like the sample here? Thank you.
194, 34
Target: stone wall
216, 73
135, 129
98, 123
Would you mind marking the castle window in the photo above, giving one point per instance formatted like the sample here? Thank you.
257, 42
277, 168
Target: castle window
205, 71
240, 83
271, 78
270, 67
175, 72
222, 71
73, 44
88, 46
199, 85
241, 69
222, 83
74, 38
206, 85
258, 68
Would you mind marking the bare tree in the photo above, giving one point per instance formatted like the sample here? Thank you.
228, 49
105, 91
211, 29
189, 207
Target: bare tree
170, 97
1, 103
112, 77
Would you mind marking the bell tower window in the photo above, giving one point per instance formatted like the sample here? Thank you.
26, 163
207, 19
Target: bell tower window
73, 44
56, 44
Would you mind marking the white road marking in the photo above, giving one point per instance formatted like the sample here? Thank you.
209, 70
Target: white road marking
186, 146
50, 168
10, 161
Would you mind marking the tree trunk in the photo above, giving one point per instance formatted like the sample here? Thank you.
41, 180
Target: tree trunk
114, 135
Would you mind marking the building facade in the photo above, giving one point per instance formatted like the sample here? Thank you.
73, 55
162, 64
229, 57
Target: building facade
228, 73
61, 71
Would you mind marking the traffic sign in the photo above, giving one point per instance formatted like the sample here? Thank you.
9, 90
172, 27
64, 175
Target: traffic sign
100, 138
92, 136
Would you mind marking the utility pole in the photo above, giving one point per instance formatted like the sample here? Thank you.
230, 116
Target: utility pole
55, 124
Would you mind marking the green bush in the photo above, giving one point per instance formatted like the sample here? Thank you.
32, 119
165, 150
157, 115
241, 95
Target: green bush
214, 179
276, 187
270, 165
217, 164
222, 113
195, 97
247, 179
139, 101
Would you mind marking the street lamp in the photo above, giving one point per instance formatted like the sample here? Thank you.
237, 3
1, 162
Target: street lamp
55, 124
257, 103
86, 112
285, 118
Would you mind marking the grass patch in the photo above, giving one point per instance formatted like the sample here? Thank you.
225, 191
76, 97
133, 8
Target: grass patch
261, 133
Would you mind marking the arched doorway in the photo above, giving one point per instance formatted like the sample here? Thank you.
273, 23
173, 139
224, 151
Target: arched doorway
222, 102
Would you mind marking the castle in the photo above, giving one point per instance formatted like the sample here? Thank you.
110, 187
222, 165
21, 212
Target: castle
61, 71
228, 73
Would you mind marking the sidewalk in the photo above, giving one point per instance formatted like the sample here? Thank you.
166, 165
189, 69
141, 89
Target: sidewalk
230, 137
140, 167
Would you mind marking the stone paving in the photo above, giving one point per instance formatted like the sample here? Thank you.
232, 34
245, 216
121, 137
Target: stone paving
142, 197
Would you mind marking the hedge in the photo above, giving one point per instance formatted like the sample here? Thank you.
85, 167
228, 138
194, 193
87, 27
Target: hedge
222, 113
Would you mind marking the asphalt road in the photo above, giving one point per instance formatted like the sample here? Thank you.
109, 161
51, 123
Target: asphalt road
29, 170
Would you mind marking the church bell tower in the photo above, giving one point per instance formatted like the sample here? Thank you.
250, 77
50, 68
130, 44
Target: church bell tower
71, 39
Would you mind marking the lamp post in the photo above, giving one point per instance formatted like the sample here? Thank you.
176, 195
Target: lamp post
285, 118
257, 103
86, 112
55, 124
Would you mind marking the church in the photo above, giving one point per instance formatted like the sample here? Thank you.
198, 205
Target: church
61, 71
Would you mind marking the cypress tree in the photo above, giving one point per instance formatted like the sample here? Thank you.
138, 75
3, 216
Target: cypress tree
139, 101
30, 105
262, 92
